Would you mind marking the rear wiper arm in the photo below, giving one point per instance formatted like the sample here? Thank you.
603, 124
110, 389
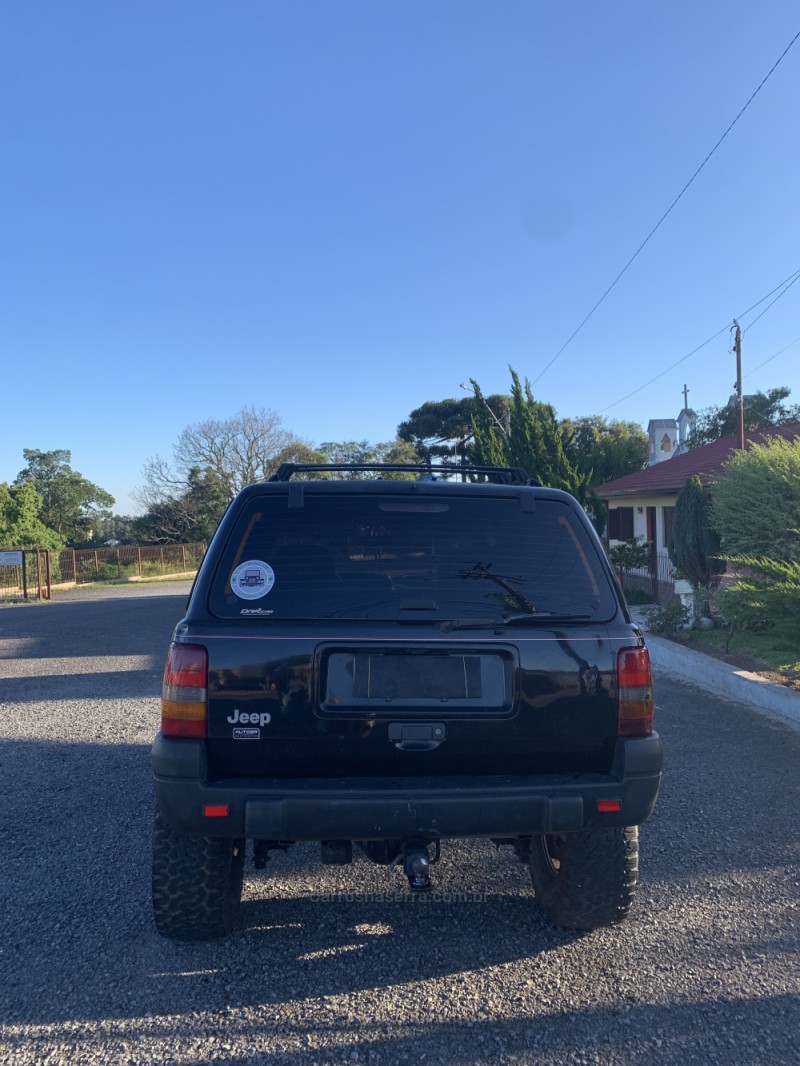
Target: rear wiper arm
470, 623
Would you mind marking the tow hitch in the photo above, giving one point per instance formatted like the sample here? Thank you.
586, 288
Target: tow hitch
416, 866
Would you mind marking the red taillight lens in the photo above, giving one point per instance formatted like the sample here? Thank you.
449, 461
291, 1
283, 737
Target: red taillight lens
635, 693
184, 694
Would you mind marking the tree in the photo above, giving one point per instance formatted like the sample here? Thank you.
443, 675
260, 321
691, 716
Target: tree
439, 429
20, 525
361, 451
71, 505
695, 547
604, 450
760, 411
533, 440
240, 450
756, 508
190, 514
213, 460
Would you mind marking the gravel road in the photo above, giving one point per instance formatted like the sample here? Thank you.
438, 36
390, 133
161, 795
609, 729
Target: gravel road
327, 965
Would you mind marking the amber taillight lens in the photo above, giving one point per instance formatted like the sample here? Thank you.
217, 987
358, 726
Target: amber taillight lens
635, 693
184, 694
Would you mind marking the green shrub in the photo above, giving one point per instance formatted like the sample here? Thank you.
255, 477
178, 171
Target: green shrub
667, 619
630, 554
756, 501
768, 597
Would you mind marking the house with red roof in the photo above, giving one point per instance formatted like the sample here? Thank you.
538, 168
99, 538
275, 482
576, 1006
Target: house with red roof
642, 504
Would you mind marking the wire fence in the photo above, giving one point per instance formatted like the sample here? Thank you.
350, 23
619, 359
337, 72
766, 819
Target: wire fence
38, 571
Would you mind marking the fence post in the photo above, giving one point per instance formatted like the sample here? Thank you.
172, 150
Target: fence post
183, 558
74, 567
161, 553
139, 558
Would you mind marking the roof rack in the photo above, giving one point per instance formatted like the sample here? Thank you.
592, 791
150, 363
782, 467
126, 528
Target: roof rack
514, 475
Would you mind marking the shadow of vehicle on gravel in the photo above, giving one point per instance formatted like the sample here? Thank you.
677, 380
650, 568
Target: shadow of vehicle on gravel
125, 626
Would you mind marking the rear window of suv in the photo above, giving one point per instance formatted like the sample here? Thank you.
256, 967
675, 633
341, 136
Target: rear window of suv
370, 556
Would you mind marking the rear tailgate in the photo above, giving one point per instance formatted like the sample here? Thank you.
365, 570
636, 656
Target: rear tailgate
307, 707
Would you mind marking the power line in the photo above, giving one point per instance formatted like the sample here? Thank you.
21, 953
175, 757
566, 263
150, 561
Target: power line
663, 372
775, 356
657, 226
794, 279
787, 282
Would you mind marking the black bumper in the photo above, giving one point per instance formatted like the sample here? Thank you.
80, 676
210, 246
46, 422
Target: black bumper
402, 808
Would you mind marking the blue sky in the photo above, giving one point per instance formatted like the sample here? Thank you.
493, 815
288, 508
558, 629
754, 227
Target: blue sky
342, 209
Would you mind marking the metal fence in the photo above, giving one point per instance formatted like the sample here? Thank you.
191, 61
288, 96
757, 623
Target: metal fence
29, 579
84, 565
657, 581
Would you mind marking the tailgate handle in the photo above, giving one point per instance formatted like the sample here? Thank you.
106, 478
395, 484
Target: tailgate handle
417, 736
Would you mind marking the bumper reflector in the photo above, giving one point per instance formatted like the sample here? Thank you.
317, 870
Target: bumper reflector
220, 811
609, 805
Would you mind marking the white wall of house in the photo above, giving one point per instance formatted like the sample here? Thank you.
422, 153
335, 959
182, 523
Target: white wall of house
640, 505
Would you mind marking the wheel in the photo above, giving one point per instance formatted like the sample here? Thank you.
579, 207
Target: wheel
585, 880
197, 884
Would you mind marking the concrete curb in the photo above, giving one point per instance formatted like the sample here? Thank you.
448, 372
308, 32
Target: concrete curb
720, 678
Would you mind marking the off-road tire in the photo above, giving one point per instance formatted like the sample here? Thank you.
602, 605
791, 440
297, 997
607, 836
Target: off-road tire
197, 884
585, 880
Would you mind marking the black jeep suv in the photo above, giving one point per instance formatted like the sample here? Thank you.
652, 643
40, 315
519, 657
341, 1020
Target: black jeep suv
392, 662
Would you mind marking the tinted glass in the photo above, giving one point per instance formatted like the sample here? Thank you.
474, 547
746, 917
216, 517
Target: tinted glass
384, 557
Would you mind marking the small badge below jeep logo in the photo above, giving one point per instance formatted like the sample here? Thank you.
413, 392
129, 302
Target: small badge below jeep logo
246, 734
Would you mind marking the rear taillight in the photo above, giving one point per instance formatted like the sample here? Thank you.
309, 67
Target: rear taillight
635, 693
184, 695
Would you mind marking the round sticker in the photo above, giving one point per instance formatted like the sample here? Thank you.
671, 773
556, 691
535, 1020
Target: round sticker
252, 580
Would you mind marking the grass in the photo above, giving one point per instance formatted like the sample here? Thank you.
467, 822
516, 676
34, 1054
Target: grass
767, 647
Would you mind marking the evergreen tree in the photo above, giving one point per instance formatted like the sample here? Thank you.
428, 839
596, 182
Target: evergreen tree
695, 546
20, 524
533, 440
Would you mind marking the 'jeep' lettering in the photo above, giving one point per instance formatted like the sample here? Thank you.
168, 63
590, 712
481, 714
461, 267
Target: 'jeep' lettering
249, 717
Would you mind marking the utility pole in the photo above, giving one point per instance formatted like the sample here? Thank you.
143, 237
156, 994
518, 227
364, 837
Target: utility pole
737, 347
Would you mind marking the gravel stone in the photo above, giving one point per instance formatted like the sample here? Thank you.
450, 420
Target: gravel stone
336, 964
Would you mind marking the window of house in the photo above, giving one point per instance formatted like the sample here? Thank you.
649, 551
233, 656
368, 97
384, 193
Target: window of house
620, 523
669, 519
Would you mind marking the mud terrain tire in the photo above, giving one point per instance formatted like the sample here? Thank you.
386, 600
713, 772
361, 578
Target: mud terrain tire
585, 880
197, 884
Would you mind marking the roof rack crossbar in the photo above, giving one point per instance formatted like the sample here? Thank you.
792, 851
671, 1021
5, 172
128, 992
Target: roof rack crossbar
514, 475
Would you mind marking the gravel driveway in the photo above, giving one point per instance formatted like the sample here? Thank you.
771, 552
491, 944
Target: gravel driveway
328, 965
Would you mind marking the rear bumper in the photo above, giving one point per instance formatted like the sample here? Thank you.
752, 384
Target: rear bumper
402, 808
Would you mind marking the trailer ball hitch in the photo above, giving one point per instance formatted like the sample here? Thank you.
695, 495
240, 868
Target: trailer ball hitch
417, 865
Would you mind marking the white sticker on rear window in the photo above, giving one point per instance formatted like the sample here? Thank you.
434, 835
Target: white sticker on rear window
252, 580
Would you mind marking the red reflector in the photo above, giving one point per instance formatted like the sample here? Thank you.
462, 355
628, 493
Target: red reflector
222, 811
609, 805
182, 727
